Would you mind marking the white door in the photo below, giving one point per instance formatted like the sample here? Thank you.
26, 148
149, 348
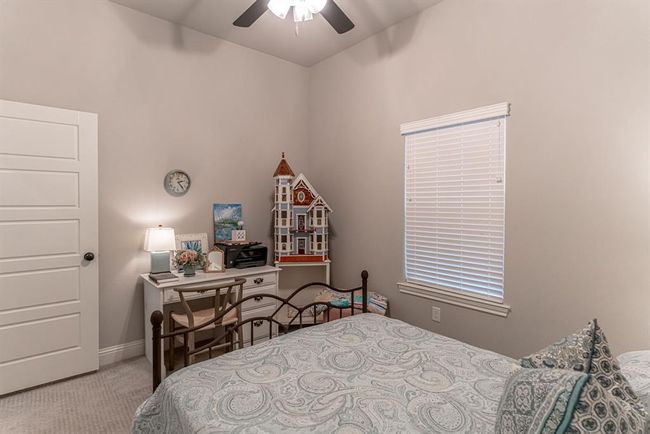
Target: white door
48, 221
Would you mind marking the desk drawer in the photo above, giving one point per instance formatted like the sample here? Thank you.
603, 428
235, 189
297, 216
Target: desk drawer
257, 280
261, 328
263, 301
171, 296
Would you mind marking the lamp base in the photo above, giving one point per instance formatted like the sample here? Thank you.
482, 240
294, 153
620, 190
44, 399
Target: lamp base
160, 262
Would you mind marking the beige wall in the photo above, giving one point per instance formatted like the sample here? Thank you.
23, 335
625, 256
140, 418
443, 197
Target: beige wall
578, 195
167, 98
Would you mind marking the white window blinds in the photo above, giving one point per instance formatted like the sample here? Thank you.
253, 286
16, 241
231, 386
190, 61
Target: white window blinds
455, 201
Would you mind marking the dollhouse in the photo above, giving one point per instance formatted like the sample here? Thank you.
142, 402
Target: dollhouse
300, 218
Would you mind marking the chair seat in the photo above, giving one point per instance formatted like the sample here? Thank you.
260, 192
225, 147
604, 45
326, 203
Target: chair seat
201, 316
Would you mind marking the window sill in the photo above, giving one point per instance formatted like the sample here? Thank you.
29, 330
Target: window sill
455, 298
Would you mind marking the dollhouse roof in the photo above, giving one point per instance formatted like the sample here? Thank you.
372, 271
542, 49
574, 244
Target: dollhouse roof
283, 168
303, 179
319, 201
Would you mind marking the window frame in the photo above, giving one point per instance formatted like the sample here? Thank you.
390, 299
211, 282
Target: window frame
462, 298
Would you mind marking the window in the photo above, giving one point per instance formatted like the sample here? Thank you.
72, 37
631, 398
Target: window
455, 202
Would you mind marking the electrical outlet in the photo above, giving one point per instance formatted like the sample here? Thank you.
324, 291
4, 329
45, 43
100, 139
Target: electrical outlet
435, 313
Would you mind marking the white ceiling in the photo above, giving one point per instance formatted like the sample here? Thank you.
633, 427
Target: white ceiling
316, 40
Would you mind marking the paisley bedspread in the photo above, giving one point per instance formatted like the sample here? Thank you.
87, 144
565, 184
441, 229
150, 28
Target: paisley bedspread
365, 373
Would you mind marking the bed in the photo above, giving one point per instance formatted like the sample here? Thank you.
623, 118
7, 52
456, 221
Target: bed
364, 373
369, 373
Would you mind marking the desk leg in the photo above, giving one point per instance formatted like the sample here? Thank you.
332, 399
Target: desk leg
327, 273
153, 301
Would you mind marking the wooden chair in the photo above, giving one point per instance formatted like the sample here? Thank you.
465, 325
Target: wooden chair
225, 295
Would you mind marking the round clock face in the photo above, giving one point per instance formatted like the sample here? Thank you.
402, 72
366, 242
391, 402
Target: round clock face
177, 182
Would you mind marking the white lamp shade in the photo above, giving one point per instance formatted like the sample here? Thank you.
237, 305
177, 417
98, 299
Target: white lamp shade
159, 239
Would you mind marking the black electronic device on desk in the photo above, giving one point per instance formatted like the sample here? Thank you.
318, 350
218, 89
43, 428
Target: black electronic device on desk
243, 255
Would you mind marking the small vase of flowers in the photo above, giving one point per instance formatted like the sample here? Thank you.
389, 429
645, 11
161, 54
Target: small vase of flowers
188, 260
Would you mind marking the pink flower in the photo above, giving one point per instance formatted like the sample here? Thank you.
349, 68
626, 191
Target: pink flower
186, 257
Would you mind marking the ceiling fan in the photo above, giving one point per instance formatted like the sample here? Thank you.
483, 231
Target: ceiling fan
303, 10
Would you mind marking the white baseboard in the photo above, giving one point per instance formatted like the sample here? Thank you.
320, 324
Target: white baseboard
121, 352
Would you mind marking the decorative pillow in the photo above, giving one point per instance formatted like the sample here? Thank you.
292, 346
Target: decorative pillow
563, 401
599, 411
539, 401
635, 365
586, 351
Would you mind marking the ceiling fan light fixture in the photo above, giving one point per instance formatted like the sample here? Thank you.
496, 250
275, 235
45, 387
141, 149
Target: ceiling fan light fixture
315, 6
280, 8
303, 10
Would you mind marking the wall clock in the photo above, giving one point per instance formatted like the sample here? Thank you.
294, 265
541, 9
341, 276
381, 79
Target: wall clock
177, 182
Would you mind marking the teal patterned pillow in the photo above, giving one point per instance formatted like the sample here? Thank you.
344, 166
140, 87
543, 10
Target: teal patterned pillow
562, 401
539, 401
598, 411
572, 352
586, 351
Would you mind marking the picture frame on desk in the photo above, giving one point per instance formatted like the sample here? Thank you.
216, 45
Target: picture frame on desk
215, 261
197, 242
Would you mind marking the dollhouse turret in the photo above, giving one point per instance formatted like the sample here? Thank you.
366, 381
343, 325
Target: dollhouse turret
300, 218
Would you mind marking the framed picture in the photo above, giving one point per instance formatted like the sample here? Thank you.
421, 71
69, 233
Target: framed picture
226, 219
214, 262
238, 235
196, 242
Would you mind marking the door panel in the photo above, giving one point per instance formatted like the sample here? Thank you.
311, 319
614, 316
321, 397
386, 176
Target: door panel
38, 238
46, 335
48, 219
35, 288
25, 137
38, 188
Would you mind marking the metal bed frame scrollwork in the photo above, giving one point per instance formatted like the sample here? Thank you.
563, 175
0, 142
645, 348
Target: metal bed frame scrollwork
238, 327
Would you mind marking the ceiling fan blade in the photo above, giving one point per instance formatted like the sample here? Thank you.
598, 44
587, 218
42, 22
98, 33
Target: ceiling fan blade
336, 17
251, 14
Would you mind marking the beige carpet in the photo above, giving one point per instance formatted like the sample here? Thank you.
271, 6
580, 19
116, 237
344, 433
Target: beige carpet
103, 402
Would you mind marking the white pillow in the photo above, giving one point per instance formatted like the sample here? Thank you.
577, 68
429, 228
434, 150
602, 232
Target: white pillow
636, 368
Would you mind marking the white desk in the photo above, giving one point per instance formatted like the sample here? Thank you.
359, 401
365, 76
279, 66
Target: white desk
258, 280
295, 274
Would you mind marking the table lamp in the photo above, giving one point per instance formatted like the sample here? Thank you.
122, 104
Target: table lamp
159, 242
